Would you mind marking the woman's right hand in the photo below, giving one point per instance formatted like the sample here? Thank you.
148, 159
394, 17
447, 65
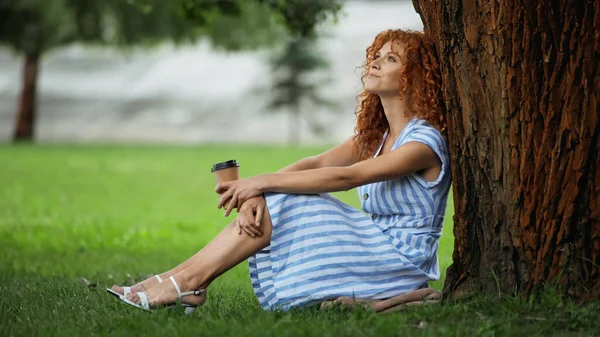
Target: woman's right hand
250, 216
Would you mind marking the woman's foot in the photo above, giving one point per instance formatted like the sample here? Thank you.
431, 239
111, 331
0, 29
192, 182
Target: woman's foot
140, 286
346, 302
399, 302
166, 293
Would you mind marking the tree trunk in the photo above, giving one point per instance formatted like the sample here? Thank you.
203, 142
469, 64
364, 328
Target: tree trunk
25, 121
521, 86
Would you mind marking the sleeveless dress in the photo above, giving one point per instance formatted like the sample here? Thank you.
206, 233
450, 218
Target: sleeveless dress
322, 248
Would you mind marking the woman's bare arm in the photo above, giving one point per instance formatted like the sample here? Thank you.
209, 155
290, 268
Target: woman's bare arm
408, 158
339, 156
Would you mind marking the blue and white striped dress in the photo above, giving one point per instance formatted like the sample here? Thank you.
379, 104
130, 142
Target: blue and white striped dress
322, 248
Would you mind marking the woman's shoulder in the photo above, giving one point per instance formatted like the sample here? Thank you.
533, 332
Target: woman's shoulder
421, 130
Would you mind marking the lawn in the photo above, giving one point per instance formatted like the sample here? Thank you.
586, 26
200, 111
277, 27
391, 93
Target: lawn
116, 214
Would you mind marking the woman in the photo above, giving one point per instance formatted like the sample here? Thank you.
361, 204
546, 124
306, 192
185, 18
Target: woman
305, 246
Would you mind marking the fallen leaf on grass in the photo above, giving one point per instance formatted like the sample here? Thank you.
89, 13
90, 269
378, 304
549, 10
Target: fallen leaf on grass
421, 324
85, 282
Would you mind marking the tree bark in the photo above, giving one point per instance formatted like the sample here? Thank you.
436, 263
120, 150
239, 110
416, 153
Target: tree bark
521, 87
25, 121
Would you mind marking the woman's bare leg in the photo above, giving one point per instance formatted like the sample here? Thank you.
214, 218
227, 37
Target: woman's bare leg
152, 281
225, 251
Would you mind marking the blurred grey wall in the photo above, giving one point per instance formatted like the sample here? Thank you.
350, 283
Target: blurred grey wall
191, 94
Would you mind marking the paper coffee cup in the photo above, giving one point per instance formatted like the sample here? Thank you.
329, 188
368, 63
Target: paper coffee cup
226, 171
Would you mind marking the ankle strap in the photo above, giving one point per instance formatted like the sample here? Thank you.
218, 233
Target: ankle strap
158, 278
176, 286
180, 294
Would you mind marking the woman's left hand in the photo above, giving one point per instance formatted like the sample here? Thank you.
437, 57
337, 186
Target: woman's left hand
239, 191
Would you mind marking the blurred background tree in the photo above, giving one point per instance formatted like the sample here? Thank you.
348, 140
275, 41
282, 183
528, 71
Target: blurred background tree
296, 85
34, 27
295, 81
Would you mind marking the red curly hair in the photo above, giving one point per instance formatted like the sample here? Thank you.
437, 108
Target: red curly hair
420, 85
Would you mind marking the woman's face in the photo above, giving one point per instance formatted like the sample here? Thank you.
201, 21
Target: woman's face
384, 72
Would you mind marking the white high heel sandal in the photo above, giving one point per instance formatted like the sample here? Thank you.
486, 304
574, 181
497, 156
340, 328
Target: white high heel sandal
145, 303
127, 290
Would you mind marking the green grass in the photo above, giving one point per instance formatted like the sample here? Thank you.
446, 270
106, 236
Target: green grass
116, 214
